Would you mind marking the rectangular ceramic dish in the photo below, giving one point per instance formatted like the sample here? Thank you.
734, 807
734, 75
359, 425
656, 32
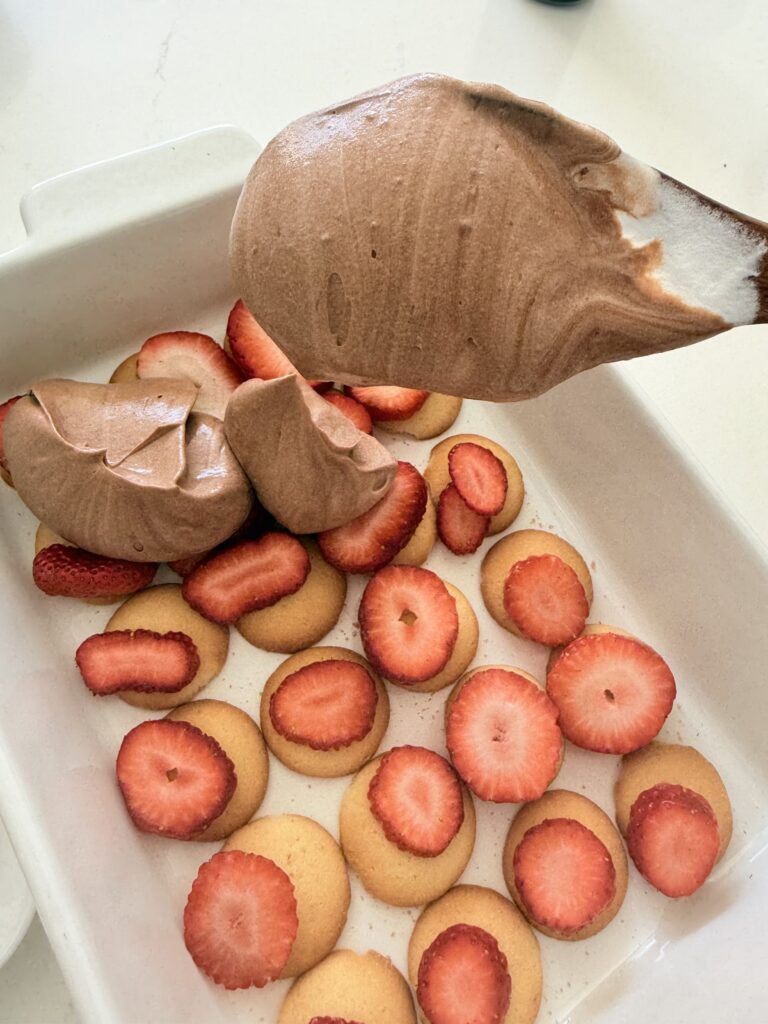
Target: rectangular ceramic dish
122, 250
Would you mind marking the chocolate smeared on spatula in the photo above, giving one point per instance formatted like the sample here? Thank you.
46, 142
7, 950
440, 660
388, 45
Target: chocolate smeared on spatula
445, 235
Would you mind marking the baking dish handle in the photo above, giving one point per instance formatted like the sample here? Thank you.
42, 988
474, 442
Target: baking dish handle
137, 185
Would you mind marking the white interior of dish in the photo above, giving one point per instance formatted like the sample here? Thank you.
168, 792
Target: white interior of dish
669, 564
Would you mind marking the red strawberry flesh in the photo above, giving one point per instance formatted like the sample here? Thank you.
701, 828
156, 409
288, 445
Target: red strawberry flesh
354, 411
174, 778
326, 705
62, 571
408, 623
240, 921
545, 599
460, 529
479, 477
386, 402
463, 978
370, 541
246, 576
673, 838
192, 356
5, 408
564, 875
254, 352
332, 1020
416, 796
613, 693
503, 737
139, 660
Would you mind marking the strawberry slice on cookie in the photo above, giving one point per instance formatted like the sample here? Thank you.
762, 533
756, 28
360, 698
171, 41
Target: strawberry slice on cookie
460, 529
546, 600
255, 353
174, 778
479, 477
137, 659
613, 693
246, 576
326, 705
674, 839
241, 921
416, 796
370, 541
502, 734
408, 623
463, 976
191, 356
386, 402
354, 411
564, 875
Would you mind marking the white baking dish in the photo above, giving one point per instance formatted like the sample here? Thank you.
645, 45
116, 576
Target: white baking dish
134, 246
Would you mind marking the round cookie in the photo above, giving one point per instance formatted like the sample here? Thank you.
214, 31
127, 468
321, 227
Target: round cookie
516, 547
352, 986
438, 413
464, 649
487, 909
323, 763
312, 860
424, 538
127, 370
680, 766
162, 609
303, 618
591, 629
240, 738
561, 803
389, 873
437, 476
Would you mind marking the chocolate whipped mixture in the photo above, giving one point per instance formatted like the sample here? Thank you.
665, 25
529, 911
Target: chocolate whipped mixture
450, 236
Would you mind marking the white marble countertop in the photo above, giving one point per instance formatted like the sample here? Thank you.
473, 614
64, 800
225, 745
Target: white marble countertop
680, 85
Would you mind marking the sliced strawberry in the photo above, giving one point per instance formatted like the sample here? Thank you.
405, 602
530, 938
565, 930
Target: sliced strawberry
460, 529
240, 921
326, 705
479, 477
196, 357
254, 351
373, 539
673, 838
174, 778
408, 623
564, 875
354, 411
545, 599
389, 403
62, 571
501, 732
416, 795
613, 692
463, 978
184, 566
138, 660
248, 575
5, 408
331, 1020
